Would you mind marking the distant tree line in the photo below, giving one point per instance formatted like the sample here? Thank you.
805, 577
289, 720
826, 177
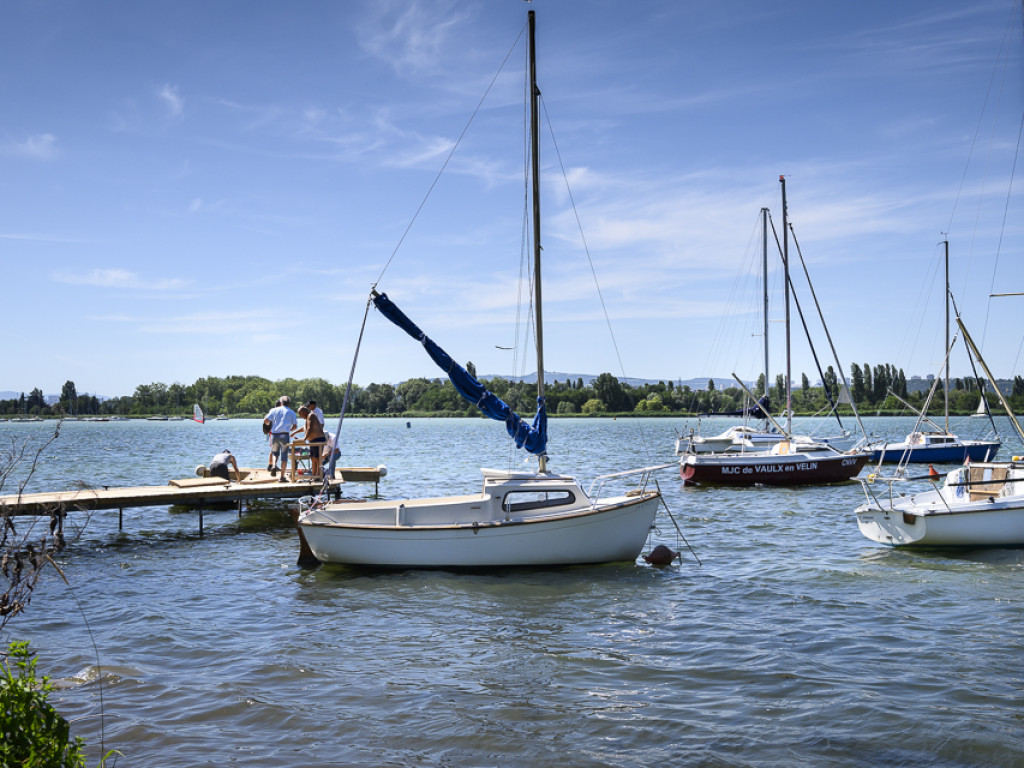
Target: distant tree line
874, 389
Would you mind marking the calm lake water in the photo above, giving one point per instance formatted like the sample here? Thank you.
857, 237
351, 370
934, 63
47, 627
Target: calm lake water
797, 642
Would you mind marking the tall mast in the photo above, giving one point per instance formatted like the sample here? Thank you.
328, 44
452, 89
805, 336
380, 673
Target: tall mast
945, 389
764, 273
785, 265
535, 172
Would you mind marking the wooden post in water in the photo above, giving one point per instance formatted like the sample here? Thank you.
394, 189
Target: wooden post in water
200, 522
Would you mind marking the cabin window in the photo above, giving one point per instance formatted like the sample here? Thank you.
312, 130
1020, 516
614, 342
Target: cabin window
523, 501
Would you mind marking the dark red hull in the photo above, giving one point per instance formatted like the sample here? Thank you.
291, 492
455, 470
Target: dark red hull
774, 470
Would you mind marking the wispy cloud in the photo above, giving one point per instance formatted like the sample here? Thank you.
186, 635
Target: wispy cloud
39, 238
121, 279
174, 101
40, 146
259, 325
411, 36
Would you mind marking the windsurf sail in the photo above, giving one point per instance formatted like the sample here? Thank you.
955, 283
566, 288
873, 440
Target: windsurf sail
197, 414
533, 437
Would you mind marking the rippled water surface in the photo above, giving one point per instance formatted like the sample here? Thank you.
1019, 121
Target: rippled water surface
797, 642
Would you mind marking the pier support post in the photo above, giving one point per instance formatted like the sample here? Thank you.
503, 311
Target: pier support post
120, 519
200, 522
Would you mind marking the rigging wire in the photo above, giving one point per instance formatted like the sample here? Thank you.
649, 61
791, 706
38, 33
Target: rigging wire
1002, 61
590, 262
447, 159
325, 488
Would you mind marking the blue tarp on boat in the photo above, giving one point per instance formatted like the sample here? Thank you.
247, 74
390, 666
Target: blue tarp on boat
533, 438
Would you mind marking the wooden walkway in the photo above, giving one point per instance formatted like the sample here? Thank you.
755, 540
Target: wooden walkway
195, 491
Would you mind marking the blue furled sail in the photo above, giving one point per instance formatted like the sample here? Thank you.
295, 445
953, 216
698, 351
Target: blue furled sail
533, 438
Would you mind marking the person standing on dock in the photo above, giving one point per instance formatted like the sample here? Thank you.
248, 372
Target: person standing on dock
315, 435
282, 420
316, 411
220, 463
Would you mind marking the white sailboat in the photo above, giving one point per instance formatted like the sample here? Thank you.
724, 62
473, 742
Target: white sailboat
938, 444
982, 412
790, 461
739, 437
517, 518
979, 504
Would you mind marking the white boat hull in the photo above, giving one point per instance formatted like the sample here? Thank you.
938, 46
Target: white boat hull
982, 526
609, 535
974, 508
478, 532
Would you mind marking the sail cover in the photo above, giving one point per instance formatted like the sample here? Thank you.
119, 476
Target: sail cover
757, 411
533, 437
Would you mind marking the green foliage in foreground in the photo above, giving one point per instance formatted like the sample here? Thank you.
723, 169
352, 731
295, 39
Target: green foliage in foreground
32, 732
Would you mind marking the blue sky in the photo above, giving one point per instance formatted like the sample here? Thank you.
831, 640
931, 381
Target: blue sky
198, 189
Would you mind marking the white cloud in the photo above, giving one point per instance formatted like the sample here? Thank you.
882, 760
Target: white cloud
41, 146
411, 36
120, 278
174, 101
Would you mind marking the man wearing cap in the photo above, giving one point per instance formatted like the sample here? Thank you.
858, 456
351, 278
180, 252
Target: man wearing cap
282, 420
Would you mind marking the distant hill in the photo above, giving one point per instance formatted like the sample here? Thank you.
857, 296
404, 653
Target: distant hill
588, 379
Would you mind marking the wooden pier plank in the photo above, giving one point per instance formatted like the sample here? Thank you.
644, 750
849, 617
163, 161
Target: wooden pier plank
255, 484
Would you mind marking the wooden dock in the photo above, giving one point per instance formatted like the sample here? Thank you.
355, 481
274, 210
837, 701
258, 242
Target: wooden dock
194, 491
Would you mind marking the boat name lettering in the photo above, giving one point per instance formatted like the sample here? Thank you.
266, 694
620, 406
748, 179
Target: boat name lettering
761, 469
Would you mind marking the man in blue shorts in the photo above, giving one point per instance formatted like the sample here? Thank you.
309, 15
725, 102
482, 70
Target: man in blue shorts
282, 421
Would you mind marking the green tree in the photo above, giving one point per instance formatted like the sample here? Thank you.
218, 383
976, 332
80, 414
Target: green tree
69, 397
779, 394
610, 392
36, 399
831, 382
856, 383
593, 406
650, 404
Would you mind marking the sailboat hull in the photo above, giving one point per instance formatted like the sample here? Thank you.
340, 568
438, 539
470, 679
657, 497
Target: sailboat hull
973, 450
516, 521
985, 525
979, 505
769, 469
